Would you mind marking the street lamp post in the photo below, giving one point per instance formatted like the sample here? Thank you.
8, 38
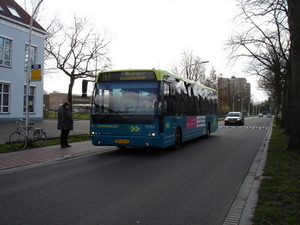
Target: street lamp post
193, 65
242, 110
233, 99
249, 109
29, 67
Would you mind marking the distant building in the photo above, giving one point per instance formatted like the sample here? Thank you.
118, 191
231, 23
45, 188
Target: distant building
54, 100
14, 38
234, 94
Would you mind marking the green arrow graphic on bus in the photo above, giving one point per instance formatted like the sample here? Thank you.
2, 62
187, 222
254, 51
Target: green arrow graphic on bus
135, 129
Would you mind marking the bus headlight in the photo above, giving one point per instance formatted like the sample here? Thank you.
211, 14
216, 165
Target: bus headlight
151, 135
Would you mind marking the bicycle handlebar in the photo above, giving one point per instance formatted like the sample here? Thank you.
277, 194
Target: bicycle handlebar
19, 122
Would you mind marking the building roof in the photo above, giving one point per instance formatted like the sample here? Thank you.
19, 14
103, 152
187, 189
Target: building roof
11, 10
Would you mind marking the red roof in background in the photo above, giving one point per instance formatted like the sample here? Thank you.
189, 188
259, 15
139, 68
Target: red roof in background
24, 16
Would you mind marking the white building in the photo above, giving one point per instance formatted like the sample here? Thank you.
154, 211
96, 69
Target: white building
14, 40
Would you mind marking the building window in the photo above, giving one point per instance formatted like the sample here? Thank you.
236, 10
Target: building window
32, 55
13, 12
31, 99
5, 52
4, 97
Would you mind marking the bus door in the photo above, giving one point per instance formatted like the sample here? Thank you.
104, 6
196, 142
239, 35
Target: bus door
169, 121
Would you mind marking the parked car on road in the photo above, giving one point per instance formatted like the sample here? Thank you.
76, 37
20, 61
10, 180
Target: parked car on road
234, 118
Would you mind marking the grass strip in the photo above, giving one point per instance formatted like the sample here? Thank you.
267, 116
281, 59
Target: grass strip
54, 115
279, 194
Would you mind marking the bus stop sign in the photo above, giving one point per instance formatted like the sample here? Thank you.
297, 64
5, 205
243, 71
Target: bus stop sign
36, 74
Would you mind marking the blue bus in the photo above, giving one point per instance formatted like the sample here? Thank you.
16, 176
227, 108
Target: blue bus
150, 108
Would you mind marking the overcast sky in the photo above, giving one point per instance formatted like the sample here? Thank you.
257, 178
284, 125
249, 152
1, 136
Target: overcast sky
154, 33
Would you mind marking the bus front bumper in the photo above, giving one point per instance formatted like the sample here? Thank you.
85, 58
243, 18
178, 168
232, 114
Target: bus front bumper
138, 141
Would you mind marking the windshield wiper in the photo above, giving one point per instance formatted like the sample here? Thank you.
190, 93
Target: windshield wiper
111, 113
136, 116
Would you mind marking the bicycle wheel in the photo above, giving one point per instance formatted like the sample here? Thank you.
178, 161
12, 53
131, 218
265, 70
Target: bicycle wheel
39, 137
18, 140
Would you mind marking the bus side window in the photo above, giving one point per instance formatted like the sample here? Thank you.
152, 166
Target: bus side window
166, 98
188, 91
196, 104
192, 100
173, 99
216, 107
184, 100
206, 106
210, 107
177, 98
213, 111
201, 105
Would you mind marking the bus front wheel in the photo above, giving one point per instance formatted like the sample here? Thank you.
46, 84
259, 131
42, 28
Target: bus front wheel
177, 139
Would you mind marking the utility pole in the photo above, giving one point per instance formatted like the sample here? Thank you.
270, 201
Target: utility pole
29, 68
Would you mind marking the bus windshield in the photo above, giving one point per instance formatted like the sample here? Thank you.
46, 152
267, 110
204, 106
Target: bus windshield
117, 101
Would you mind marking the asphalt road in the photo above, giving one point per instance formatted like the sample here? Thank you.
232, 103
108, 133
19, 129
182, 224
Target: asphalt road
194, 185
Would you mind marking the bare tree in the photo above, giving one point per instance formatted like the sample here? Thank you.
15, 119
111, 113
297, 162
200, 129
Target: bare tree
51, 26
30, 6
265, 43
77, 49
293, 19
190, 67
212, 80
271, 42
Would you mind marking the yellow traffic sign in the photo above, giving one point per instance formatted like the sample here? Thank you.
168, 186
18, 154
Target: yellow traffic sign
36, 74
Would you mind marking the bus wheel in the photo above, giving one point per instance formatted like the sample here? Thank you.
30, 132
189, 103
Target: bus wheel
121, 147
177, 141
207, 131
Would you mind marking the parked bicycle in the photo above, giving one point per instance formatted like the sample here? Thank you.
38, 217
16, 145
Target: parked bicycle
19, 140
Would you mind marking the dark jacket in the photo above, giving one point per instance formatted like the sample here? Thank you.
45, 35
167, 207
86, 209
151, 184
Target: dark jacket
65, 120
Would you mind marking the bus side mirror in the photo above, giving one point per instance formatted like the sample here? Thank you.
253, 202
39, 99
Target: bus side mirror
84, 88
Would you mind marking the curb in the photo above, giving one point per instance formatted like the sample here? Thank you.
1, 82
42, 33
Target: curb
243, 207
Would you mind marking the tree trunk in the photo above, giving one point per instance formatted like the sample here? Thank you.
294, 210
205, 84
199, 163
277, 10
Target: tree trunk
287, 104
294, 26
70, 99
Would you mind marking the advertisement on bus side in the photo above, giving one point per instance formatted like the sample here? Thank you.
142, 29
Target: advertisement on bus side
195, 121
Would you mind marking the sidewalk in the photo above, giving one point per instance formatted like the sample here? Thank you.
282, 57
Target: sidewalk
53, 153
37, 155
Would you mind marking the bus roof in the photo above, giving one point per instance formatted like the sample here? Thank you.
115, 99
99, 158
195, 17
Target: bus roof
159, 76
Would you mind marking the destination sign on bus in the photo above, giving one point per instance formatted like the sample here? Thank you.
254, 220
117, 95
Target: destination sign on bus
127, 76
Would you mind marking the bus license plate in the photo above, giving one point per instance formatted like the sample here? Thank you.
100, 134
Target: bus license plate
122, 141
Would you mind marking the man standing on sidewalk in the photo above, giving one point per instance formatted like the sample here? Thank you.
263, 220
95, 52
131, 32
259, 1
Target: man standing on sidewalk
65, 124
